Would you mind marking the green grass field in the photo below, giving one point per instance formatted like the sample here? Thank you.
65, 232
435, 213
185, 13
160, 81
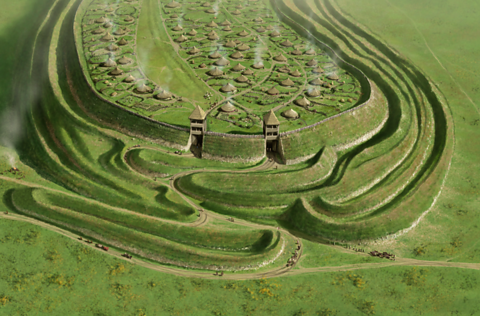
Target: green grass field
396, 175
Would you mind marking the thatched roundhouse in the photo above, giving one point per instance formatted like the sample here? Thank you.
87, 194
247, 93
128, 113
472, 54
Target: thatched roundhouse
122, 42
318, 70
98, 31
210, 11
112, 47
248, 72
314, 93
116, 72
290, 114
236, 12
212, 24
238, 67
273, 91
215, 72
317, 82
312, 63
228, 88
237, 55
303, 102
287, 83
226, 23
333, 76
258, 65
242, 79
101, 20
119, 31
296, 52
280, 58
215, 55
163, 95
284, 69
143, 88
296, 73
109, 63
230, 44
228, 107
258, 20
129, 79
227, 29
181, 39
125, 60
243, 33
173, 5
194, 51
275, 34
286, 43
222, 62
243, 47
311, 52
129, 19
192, 33
177, 28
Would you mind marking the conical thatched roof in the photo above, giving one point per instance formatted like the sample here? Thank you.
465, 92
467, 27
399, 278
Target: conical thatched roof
215, 55
284, 69
242, 79
228, 88
192, 32
280, 58
163, 95
226, 23
270, 119
210, 11
236, 12
116, 72
215, 72
107, 25
177, 28
193, 51
258, 65
286, 43
238, 67
98, 31
198, 114
122, 42
290, 114
333, 76
129, 19
318, 70
230, 44
173, 4
273, 91
212, 24
311, 51
119, 31
237, 55
312, 62
261, 29
228, 107
243, 47
258, 20
143, 88
212, 32
181, 39
206, 4
112, 47
296, 52
101, 20
296, 73
327, 84
109, 63
214, 37
239, 6
248, 72
287, 82
227, 28
275, 34
243, 33
174, 16
302, 102
316, 82
130, 78
314, 93
269, 27
124, 60
222, 62
202, 65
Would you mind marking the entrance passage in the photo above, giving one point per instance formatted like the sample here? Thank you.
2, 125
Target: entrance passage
271, 145
196, 147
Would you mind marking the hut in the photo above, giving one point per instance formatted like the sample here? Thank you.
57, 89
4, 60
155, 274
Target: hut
129, 79
238, 67
212, 24
129, 19
258, 65
112, 47
215, 72
119, 31
97, 31
286, 43
222, 62
101, 20
202, 65
163, 95
210, 11
296, 73
239, 6
230, 44
206, 4
228, 88
316, 82
261, 29
242, 79
143, 88
124, 60
327, 85
333, 76
312, 63
228, 107
181, 39
107, 25
173, 5
270, 27
303, 102
226, 23
311, 52
177, 28
273, 91
248, 72
280, 58
109, 63
192, 32
237, 55
318, 70
296, 52
290, 114
116, 72
214, 37
284, 69
314, 93
174, 16
275, 34
194, 51
258, 20
243, 47
227, 29
215, 55
243, 33
212, 32
287, 83
236, 12
122, 42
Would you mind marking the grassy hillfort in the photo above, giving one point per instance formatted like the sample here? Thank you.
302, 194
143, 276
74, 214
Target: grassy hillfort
281, 157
